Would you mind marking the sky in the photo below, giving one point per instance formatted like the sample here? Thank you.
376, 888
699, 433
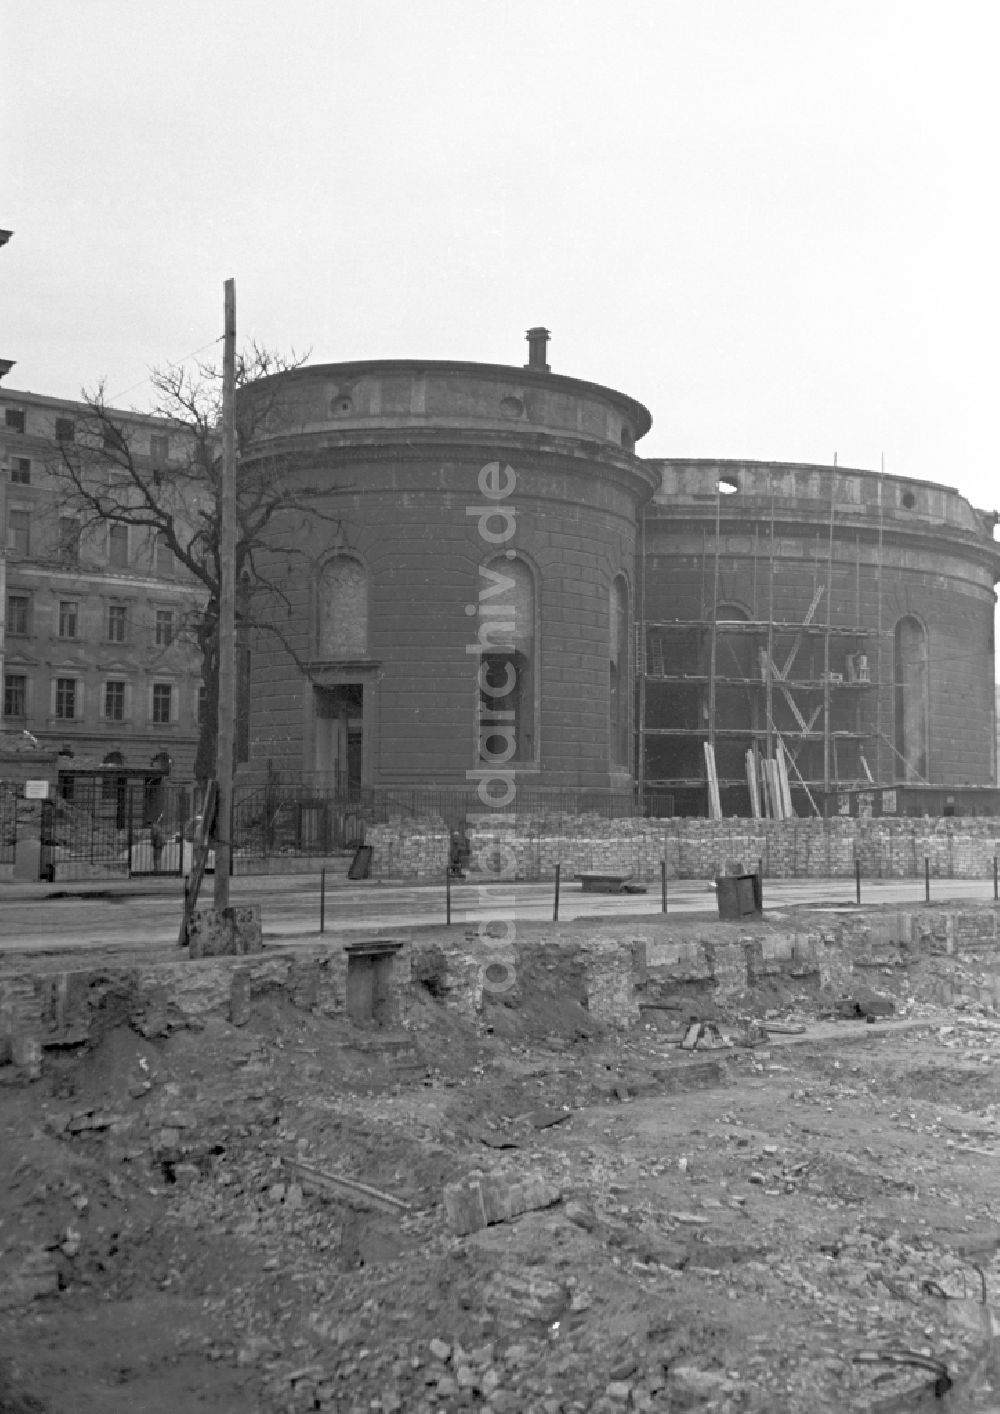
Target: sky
774, 222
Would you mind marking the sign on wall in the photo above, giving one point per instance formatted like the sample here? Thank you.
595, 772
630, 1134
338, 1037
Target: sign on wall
36, 790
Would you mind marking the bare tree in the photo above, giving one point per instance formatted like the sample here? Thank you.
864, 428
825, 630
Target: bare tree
103, 476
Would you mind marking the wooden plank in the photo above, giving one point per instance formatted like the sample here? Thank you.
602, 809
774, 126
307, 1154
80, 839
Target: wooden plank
794, 653
790, 758
786, 794
752, 783
714, 804
335, 1185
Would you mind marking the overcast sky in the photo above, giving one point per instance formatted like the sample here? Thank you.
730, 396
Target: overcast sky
774, 222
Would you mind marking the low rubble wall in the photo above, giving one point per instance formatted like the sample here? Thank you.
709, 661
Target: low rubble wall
617, 979
529, 847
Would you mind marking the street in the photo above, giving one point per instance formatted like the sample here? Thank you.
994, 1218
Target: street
145, 913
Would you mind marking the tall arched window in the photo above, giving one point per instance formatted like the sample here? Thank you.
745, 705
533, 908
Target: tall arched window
506, 674
620, 679
911, 689
342, 619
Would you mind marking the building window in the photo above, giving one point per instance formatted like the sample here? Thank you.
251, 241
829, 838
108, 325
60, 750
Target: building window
14, 419
911, 692
68, 548
163, 702
114, 788
114, 701
506, 673
118, 545
15, 695
19, 531
20, 471
66, 699
164, 627
620, 680
342, 628
159, 450
113, 439
68, 618
117, 623
65, 429
164, 556
200, 701
17, 613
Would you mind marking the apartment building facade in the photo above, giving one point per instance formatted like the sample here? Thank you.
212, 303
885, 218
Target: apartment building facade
98, 657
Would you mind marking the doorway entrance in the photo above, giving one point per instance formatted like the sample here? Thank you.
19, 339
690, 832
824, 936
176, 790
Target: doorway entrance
339, 740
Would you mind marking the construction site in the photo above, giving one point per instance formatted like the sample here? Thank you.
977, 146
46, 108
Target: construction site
831, 633
624, 1162
719, 1135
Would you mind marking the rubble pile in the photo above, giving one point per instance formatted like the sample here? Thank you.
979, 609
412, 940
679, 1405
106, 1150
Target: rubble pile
798, 1211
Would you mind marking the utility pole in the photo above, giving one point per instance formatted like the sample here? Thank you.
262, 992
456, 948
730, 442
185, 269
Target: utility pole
227, 608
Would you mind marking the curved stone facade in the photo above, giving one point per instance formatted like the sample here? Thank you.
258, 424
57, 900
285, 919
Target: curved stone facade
473, 558
879, 596
483, 542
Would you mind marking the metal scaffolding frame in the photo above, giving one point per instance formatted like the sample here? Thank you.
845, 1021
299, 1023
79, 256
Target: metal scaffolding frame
793, 711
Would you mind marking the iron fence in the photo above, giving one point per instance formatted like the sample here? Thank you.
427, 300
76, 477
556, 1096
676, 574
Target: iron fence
116, 822
8, 821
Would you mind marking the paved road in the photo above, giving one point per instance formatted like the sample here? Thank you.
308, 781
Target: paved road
145, 914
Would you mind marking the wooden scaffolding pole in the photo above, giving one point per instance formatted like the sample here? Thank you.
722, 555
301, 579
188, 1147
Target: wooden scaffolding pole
227, 607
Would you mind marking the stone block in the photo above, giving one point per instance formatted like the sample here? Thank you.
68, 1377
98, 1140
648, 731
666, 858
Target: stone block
225, 932
481, 1200
26, 1054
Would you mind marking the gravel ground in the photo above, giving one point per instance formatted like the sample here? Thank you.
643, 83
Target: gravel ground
808, 1224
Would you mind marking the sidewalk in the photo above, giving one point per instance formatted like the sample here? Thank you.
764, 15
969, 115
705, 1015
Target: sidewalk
159, 885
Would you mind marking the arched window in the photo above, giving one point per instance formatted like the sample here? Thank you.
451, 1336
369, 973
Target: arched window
620, 678
911, 690
342, 619
506, 673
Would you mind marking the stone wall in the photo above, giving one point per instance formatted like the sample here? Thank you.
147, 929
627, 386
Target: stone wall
528, 848
79, 1005
618, 980
400, 851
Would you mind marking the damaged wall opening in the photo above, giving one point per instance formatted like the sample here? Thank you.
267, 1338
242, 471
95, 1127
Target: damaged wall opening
369, 981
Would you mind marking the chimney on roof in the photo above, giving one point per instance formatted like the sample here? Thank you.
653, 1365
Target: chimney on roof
538, 342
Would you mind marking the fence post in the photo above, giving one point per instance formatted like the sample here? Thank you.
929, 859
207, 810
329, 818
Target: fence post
996, 880
663, 885
555, 904
927, 878
322, 900
180, 820
857, 877
447, 892
129, 798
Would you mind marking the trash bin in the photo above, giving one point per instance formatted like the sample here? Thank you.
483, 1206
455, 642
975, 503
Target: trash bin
739, 896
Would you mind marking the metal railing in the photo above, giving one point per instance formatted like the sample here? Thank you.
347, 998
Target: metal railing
131, 825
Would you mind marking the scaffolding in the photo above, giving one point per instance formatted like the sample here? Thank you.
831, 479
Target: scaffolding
742, 710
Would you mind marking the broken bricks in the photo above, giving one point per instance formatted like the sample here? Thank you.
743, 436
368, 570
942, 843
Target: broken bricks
751, 1033
703, 1036
481, 1200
